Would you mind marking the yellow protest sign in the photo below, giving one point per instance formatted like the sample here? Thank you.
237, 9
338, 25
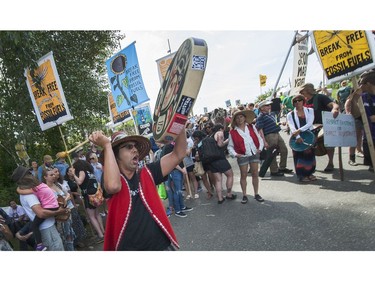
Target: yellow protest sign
163, 64
47, 94
117, 118
342, 52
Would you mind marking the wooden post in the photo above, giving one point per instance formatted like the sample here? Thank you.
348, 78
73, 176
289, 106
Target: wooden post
66, 148
341, 170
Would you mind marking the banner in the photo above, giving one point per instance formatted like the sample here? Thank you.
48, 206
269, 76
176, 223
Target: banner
125, 79
238, 102
344, 53
47, 94
263, 80
228, 103
299, 63
163, 64
117, 118
143, 120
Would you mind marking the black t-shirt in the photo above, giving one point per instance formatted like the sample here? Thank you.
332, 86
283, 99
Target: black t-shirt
276, 104
142, 232
72, 185
319, 105
168, 148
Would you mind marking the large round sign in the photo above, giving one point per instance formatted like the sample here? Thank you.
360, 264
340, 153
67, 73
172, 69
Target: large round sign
179, 90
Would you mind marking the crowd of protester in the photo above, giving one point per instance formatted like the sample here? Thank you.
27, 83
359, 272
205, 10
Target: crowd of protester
244, 133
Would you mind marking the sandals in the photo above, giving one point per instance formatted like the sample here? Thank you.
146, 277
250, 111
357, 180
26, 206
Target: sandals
221, 201
209, 195
312, 178
305, 179
233, 197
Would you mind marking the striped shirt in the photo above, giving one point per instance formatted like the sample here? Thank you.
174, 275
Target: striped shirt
267, 123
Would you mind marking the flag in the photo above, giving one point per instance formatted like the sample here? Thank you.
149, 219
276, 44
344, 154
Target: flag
262, 79
125, 79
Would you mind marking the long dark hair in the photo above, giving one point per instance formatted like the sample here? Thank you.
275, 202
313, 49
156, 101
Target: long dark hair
199, 134
82, 165
217, 128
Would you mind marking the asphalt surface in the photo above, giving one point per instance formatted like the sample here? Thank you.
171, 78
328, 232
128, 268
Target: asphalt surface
326, 215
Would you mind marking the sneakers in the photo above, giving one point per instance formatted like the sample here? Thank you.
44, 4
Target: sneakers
180, 214
352, 163
200, 189
277, 174
186, 209
244, 200
41, 247
360, 154
286, 171
258, 198
196, 196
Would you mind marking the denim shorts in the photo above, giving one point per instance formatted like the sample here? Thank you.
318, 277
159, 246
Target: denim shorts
248, 159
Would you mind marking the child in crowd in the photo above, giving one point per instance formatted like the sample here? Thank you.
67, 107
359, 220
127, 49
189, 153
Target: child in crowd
48, 201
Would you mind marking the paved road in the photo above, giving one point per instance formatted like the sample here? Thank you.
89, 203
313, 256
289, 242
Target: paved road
325, 215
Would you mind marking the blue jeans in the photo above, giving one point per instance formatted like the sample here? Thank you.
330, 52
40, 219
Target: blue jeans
175, 181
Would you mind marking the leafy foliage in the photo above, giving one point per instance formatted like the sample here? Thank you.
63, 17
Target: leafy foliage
80, 60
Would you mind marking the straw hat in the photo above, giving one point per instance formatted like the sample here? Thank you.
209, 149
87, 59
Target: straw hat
143, 143
249, 116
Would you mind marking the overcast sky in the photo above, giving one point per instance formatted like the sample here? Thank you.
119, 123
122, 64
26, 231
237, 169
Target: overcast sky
235, 60
244, 39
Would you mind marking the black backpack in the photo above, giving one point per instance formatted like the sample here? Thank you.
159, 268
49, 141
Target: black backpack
209, 150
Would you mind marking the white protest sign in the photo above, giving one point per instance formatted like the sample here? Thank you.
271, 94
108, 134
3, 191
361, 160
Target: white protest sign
339, 131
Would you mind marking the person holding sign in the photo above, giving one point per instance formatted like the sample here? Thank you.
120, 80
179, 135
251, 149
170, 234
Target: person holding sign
320, 103
367, 91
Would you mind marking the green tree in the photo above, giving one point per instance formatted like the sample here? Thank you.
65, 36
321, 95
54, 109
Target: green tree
80, 60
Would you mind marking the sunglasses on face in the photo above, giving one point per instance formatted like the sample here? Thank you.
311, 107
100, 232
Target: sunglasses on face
129, 146
295, 101
92, 158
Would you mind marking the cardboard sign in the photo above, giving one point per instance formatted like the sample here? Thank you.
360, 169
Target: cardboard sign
339, 131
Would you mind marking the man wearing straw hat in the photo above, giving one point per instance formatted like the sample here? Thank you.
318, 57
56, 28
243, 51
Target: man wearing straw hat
136, 216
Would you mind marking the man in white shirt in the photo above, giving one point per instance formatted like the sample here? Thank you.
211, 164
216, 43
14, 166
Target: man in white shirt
50, 236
